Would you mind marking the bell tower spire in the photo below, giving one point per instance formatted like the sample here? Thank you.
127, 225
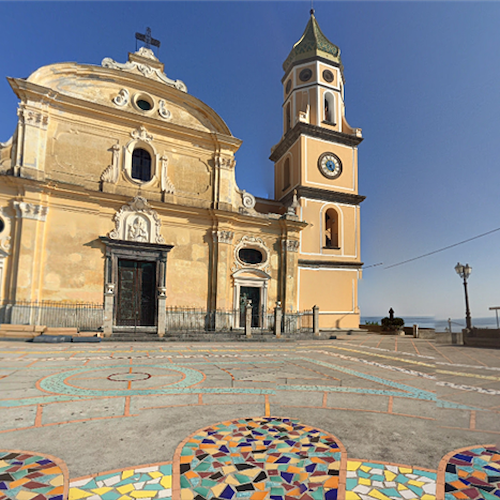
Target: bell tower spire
317, 157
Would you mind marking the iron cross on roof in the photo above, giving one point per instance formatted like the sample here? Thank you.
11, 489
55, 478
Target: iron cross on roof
147, 39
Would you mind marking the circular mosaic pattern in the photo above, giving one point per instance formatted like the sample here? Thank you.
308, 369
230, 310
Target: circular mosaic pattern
81, 381
27, 476
474, 474
129, 377
257, 457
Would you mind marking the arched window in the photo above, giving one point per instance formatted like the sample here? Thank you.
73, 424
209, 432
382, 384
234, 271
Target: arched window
329, 108
331, 229
286, 174
288, 118
141, 165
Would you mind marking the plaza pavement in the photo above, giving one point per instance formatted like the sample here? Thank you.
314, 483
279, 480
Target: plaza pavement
114, 406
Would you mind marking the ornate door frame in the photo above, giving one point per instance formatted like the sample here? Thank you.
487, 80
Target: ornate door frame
138, 251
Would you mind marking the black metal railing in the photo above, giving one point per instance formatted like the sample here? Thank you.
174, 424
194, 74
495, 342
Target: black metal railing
81, 315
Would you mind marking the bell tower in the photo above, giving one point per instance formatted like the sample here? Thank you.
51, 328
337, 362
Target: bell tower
317, 157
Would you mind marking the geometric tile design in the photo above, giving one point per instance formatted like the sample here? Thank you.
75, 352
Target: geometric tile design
369, 480
258, 458
25, 476
141, 483
473, 473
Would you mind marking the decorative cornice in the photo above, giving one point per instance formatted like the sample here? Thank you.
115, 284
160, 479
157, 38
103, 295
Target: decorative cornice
330, 264
122, 98
141, 134
302, 128
223, 236
291, 245
33, 118
30, 211
146, 69
324, 195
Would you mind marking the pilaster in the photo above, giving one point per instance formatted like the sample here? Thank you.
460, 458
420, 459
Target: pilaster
32, 140
30, 229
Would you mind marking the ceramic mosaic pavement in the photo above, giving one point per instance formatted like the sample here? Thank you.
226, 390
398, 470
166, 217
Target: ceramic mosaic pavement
276, 458
473, 473
24, 476
151, 482
369, 480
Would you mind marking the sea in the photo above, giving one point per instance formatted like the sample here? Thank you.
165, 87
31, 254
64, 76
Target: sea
440, 325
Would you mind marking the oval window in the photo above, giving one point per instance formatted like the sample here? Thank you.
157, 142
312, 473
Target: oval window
250, 256
144, 105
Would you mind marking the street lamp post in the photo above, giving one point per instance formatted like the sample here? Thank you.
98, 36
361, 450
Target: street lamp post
464, 272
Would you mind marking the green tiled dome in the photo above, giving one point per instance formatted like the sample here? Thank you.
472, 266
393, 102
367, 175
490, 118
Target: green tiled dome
313, 44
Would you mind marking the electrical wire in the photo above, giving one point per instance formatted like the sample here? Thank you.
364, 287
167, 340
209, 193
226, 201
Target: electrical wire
441, 249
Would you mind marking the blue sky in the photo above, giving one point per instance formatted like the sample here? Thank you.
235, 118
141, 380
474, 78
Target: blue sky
422, 81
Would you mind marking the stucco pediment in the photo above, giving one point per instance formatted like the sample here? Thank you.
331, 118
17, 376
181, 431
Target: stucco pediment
120, 90
251, 274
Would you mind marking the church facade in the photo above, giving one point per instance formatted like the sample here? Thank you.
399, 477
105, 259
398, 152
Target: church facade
118, 187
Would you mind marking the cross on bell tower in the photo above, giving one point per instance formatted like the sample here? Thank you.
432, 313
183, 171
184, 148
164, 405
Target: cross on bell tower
147, 39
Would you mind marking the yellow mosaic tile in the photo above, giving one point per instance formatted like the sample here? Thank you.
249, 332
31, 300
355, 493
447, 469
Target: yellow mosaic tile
217, 490
402, 487
365, 468
57, 481
77, 494
405, 470
228, 469
25, 495
166, 482
378, 494
125, 497
187, 494
416, 483
365, 481
127, 473
156, 473
351, 465
389, 476
125, 488
428, 497
351, 495
251, 472
101, 491
231, 480
141, 494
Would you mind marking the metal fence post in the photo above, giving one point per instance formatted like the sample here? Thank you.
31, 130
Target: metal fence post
248, 319
316, 321
278, 315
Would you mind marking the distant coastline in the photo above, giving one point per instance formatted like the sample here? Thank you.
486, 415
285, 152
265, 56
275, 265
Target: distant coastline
439, 325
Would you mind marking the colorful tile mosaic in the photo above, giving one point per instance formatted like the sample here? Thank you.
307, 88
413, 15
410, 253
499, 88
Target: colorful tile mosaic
144, 483
259, 458
474, 474
369, 480
24, 476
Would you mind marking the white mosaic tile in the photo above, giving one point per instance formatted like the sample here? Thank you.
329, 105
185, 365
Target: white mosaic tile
429, 488
407, 494
361, 488
147, 469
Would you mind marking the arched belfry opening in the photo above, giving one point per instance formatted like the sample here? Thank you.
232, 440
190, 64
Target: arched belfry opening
331, 233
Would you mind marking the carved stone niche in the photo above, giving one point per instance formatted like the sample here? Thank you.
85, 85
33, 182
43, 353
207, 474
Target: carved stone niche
137, 221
